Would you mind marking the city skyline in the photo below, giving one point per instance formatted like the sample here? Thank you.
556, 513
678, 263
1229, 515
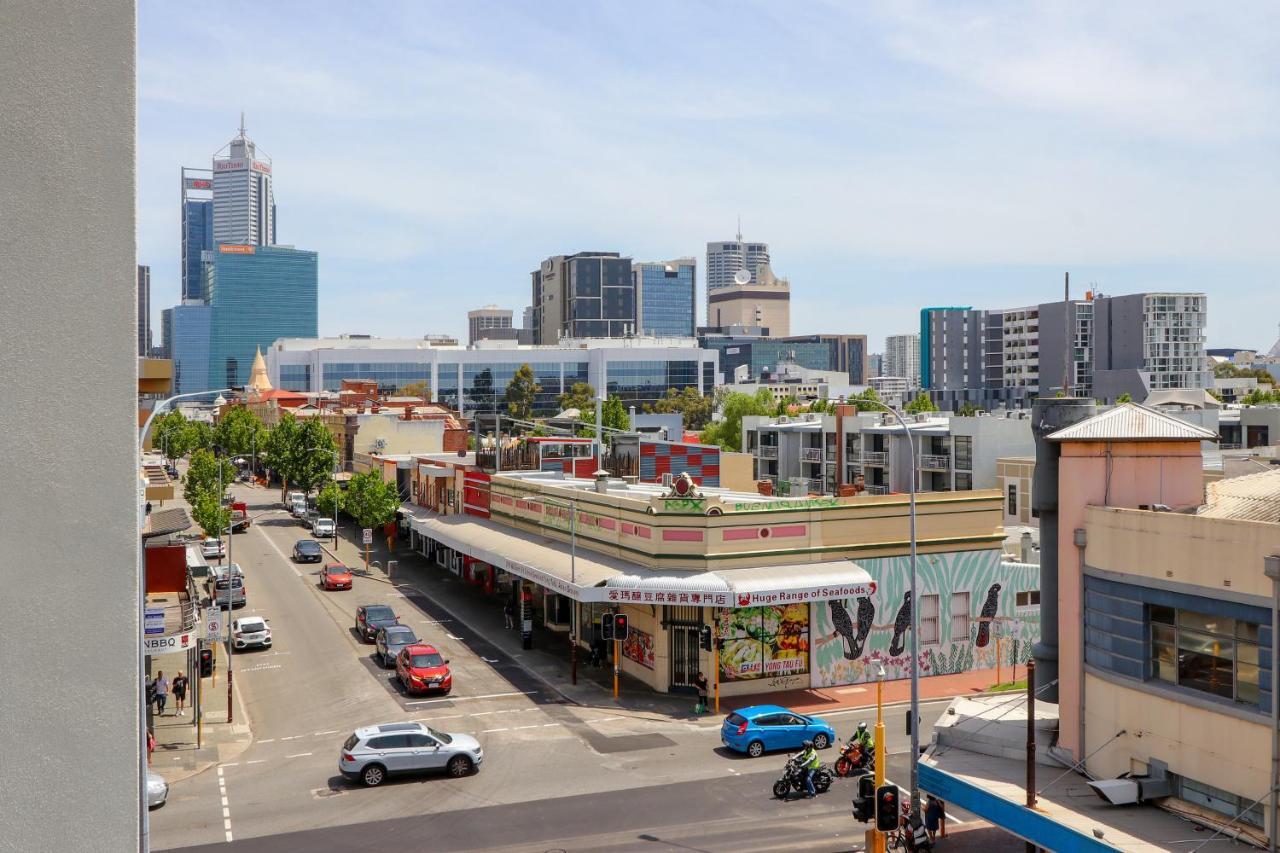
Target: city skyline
949, 162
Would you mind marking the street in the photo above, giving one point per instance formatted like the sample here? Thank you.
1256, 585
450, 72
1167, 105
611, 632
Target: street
603, 777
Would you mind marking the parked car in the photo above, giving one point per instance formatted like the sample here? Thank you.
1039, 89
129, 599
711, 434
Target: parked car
761, 728
219, 572
292, 498
157, 790
251, 632
335, 576
371, 617
238, 593
390, 640
211, 548
307, 551
422, 669
371, 754
323, 527
298, 507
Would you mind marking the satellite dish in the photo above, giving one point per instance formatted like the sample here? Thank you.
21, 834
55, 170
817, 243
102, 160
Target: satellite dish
742, 277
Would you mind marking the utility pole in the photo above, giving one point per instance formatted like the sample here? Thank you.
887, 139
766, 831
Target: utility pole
1031, 741
1069, 340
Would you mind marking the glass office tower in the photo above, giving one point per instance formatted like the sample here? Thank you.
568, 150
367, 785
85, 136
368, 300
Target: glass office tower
258, 294
186, 341
665, 292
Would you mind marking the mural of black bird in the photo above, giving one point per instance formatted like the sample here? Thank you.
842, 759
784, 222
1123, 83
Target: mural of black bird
866, 616
900, 625
853, 644
989, 609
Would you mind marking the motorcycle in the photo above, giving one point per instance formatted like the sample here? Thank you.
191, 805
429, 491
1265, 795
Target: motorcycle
852, 761
793, 779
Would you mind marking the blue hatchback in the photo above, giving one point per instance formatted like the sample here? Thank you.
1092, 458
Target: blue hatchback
760, 728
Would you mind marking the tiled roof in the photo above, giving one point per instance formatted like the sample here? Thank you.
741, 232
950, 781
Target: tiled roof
1253, 497
1132, 422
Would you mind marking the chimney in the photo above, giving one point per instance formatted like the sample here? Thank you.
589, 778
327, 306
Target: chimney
602, 481
1024, 545
408, 413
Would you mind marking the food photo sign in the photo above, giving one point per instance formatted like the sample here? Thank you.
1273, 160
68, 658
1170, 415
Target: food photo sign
762, 642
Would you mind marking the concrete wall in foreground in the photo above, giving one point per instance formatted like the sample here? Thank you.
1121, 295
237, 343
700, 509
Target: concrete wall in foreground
70, 736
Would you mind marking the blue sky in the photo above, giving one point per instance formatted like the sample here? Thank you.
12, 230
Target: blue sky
894, 155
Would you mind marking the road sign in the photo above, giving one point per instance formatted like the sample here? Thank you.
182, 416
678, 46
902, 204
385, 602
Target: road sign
153, 620
213, 623
368, 536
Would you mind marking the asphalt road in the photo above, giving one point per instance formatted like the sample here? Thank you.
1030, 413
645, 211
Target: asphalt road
603, 777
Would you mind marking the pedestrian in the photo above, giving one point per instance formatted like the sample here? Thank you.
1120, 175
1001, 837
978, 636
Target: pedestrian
151, 744
180, 693
162, 692
700, 682
935, 817
509, 611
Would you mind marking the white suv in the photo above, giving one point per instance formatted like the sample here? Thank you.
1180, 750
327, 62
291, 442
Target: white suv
322, 527
373, 753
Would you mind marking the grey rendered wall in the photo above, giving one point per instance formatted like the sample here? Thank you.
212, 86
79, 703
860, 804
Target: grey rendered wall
1053, 341
69, 725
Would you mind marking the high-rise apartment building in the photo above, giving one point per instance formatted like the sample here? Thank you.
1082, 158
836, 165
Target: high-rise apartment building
197, 229
725, 259
587, 295
257, 294
666, 293
144, 311
902, 358
244, 207
490, 322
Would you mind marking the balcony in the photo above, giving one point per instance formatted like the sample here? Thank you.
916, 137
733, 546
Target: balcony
877, 490
853, 455
811, 454
935, 461
768, 451
875, 457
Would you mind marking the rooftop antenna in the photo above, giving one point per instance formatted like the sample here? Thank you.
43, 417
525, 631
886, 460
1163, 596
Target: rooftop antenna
1068, 342
739, 227
242, 122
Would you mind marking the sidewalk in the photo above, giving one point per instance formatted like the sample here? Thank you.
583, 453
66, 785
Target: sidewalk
176, 756
549, 659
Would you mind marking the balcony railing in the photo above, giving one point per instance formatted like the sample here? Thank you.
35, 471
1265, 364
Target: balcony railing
935, 461
875, 457
877, 490
853, 454
811, 454
768, 451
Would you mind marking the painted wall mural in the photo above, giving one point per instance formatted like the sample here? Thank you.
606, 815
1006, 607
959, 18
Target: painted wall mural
968, 600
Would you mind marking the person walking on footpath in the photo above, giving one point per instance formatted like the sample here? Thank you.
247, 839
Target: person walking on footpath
700, 682
509, 611
151, 744
162, 693
180, 693
935, 817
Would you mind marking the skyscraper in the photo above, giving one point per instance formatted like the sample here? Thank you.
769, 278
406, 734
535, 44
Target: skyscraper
144, 311
197, 228
902, 358
587, 295
726, 257
244, 207
490, 322
666, 294
186, 341
257, 294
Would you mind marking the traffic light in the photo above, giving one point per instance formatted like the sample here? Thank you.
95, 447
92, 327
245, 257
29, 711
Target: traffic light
606, 626
704, 637
864, 803
619, 626
887, 817
206, 662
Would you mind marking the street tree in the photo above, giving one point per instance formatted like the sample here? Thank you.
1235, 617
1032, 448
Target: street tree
869, 395
169, 434
693, 407
208, 512
301, 451
733, 407
239, 432
202, 477
331, 499
372, 501
613, 415
198, 435
580, 396
522, 393
920, 404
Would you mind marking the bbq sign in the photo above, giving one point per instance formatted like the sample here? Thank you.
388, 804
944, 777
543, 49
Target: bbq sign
804, 595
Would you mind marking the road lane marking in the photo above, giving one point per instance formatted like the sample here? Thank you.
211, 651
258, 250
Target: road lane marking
257, 761
481, 713
232, 764
548, 725
451, 637
464, 698
330, 732
226, 811
300, 755
518, 728
267, 740
447, 717
487, 731
292, 737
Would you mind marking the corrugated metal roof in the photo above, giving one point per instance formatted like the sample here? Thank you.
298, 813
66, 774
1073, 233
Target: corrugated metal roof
1253, 497
1132, 422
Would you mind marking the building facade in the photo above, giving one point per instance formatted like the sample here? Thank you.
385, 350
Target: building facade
186, 343
258, 294
144, 311
902, 358
197, 229
751, 355
639, 370
765, 302
587, 295
244, 206
666, 293
489, 322
848, 354
726, 257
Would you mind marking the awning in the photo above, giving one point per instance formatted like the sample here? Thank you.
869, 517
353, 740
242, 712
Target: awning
165, 522
435, 471
799, 582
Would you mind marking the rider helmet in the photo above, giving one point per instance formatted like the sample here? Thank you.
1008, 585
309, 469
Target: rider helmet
862, 727
808, 744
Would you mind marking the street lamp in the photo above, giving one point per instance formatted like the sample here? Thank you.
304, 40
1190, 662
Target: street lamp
573, 576
882, 751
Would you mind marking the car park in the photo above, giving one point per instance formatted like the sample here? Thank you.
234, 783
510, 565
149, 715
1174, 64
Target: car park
323, 527
373, 753
371, 617
210, 548
390, 640
251, 632
307, 551
157, 790
421, 668
761, 728
335, 576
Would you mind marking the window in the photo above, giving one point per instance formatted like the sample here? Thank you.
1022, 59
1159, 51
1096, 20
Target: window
1013, 500
1029, 598
389, 742
929, 619
1210, 654
963, 445
964, 482
1220, 801
421, 742
959, 615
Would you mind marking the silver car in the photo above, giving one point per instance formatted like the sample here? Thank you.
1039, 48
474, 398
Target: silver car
157, 790
391, 640
322, 527
372, 754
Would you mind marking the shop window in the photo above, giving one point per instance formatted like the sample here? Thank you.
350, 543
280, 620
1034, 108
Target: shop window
959, 616
1027, 598
1206, 653
929, 620
1013, 500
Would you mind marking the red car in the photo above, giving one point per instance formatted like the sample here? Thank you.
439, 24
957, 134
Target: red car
335, 576
422, 669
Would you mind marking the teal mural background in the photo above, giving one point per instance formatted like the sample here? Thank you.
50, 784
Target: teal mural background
937, 574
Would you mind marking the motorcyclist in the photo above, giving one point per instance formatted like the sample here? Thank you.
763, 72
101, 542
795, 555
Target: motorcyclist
863, 738
808, 762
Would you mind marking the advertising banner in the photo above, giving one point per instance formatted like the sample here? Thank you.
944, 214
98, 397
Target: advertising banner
153, 620
169, 643
763, 642
638, 646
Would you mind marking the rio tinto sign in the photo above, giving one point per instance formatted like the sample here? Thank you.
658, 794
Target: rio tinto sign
197, 183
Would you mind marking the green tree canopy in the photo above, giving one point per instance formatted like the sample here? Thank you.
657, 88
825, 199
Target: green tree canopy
613, 415
522, 393
169, 434
869, 394
331, 500
301, 451
198, 435
1260, 397
372, 501
239, 432
921, 403
693, 407
580, 396
208, 512
1126, 397
968, 410
202, 477
415, 389
733, 407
